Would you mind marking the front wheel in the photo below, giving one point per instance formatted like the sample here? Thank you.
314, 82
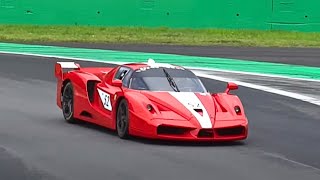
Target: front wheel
122, 119
68, 103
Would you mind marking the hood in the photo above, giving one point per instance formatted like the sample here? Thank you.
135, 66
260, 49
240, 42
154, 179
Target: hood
198, 108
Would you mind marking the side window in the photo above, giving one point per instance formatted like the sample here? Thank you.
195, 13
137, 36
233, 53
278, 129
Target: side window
125, 80
122, 71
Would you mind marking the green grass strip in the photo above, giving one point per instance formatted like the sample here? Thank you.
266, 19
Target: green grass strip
190, 61
140, 35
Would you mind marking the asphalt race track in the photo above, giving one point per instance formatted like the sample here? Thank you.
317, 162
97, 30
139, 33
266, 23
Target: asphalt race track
36, 143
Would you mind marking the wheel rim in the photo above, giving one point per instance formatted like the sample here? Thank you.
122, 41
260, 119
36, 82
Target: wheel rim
67, 102
122, 118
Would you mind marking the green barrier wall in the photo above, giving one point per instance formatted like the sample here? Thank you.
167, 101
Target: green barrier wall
301, 15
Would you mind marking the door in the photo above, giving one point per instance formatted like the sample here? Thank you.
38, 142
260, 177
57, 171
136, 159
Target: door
108, 95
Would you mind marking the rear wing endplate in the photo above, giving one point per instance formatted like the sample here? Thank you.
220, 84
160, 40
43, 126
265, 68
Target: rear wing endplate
62, 67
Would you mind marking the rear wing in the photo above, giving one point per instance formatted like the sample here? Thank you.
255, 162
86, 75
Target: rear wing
62, 67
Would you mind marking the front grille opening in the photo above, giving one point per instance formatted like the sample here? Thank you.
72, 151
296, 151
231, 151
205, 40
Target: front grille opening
169, 130
205, 133
239, 130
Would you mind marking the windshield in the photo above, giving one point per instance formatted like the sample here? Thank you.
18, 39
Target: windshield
166, 79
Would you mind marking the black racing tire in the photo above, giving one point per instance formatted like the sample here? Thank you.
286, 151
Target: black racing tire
68, 103
122, 120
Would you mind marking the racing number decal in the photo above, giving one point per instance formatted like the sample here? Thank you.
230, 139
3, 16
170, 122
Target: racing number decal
106, 101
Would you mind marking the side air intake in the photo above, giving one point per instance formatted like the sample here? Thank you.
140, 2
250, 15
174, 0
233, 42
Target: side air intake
90, 89
86, 114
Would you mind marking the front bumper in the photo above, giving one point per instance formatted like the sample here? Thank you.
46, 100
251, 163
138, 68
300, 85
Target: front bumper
231, 130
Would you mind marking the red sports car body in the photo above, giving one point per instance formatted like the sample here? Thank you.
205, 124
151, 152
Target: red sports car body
151, 100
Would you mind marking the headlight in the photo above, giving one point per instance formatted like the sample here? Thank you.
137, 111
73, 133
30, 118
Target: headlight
237, 109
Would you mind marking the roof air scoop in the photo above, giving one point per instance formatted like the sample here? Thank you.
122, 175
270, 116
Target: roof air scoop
151, 62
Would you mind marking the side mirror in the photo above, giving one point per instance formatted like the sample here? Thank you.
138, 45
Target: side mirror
231, 86
117, 83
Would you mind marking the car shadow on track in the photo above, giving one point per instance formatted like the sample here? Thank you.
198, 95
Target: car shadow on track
157, 142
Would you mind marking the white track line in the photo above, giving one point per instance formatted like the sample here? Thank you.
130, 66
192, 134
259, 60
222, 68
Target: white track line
254, 74
264, 88
193, 68
249, 85
277, 156
62, 57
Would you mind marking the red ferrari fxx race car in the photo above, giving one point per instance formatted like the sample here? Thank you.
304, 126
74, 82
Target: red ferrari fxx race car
150, 100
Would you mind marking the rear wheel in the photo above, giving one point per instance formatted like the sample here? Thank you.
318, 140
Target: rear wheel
123, 119
68, 103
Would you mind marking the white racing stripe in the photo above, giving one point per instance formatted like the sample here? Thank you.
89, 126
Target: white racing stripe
191, 102
264, 88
